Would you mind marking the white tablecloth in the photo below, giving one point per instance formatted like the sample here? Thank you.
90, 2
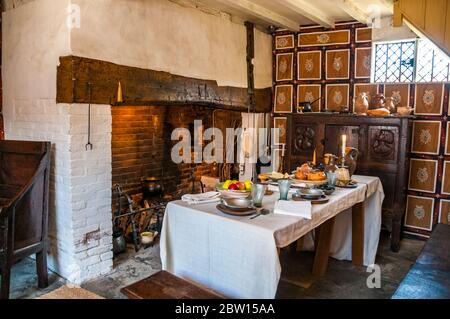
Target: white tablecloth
238, 257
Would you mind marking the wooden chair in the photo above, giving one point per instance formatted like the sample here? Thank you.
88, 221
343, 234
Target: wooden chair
24, 189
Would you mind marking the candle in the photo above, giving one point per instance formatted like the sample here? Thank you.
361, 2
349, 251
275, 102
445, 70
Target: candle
344, 144
314, 158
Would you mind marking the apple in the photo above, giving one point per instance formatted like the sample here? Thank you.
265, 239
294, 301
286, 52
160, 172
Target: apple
227, 184
233, 187
241, 186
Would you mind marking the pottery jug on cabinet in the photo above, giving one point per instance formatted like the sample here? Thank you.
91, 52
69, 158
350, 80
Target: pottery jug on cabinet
362, 104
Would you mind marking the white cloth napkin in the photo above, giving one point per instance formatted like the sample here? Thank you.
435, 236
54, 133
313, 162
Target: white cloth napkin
293, 208
209, 197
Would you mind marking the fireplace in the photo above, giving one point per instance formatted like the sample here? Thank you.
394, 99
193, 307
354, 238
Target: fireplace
141, 149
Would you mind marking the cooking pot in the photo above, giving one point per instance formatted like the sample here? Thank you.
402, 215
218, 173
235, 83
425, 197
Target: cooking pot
151, 187
306, 107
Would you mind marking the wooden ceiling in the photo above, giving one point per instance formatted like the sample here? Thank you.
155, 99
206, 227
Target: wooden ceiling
290, 14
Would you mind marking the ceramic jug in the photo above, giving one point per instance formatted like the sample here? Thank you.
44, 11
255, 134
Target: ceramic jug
362, 104
390, 105
378, 101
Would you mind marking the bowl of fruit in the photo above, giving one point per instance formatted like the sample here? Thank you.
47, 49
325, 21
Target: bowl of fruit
234, 189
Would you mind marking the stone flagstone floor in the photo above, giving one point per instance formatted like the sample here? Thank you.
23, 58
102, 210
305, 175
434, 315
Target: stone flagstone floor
342, 280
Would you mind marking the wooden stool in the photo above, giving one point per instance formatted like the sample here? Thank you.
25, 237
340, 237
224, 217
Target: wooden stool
164, 285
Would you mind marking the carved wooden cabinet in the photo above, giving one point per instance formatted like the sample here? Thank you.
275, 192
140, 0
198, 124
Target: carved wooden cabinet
383, 142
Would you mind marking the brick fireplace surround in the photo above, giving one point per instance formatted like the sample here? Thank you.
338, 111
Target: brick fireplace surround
141, 146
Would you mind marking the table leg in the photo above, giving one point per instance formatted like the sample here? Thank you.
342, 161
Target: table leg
358, 214
323, 248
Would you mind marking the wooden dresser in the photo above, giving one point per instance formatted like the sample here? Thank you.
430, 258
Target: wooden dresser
383, 143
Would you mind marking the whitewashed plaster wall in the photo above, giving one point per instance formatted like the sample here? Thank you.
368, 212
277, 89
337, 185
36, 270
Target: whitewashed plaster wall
164, 36
386, 31
35, 35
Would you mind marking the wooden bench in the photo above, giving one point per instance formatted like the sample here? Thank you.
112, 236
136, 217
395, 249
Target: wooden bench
429, 278
164, 285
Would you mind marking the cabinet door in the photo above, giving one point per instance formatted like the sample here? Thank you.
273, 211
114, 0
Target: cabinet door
333, 138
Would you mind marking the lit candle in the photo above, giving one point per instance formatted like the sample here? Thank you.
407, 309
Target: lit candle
344, 144
314, 158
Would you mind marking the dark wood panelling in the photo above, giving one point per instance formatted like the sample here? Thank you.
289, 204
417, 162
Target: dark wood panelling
383, 143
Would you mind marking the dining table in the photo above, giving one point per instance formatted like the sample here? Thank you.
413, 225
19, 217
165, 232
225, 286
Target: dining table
238, 256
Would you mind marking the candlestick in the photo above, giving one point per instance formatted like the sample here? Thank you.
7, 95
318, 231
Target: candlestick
314, 158
344, 144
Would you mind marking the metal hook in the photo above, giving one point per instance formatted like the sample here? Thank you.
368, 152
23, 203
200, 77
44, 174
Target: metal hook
89, 145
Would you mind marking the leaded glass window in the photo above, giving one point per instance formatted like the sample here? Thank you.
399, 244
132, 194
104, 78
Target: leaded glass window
410, 61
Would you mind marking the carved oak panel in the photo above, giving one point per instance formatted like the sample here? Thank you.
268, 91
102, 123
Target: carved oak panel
303, 139
383, 143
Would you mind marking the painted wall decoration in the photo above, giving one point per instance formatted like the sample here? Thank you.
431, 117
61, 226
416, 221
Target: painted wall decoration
318, 60
310, 93
444, 212
370, 89
283, 99
363, 63
284, 42
324, 57
429, 150
419, 212
285, 66
426, 138
423, 175
280, 136
337, 64
337, 97
309, 65
429, 99
399, 92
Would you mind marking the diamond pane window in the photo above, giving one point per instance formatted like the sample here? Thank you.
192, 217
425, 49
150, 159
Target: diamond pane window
394, 62
432, 64
410, 61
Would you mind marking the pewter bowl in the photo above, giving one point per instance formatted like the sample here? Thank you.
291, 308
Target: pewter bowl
237, 203
308, 193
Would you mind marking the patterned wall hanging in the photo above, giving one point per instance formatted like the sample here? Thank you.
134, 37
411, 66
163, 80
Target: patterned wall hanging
285, 66
429, 99
280, 136
423, 175
363, 35
284, 42
444, 212
370, 89
447, 143
312, 39
313, 49
337, 97
419, 212
283, 99
310, 93
446, 179
400, 93
426, 137
309, 65
363, 63
337, 64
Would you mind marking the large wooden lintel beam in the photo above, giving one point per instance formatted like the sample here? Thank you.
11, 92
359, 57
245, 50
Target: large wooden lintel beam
146, 87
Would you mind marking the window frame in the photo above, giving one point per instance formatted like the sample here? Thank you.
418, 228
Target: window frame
374, 55
416, 52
